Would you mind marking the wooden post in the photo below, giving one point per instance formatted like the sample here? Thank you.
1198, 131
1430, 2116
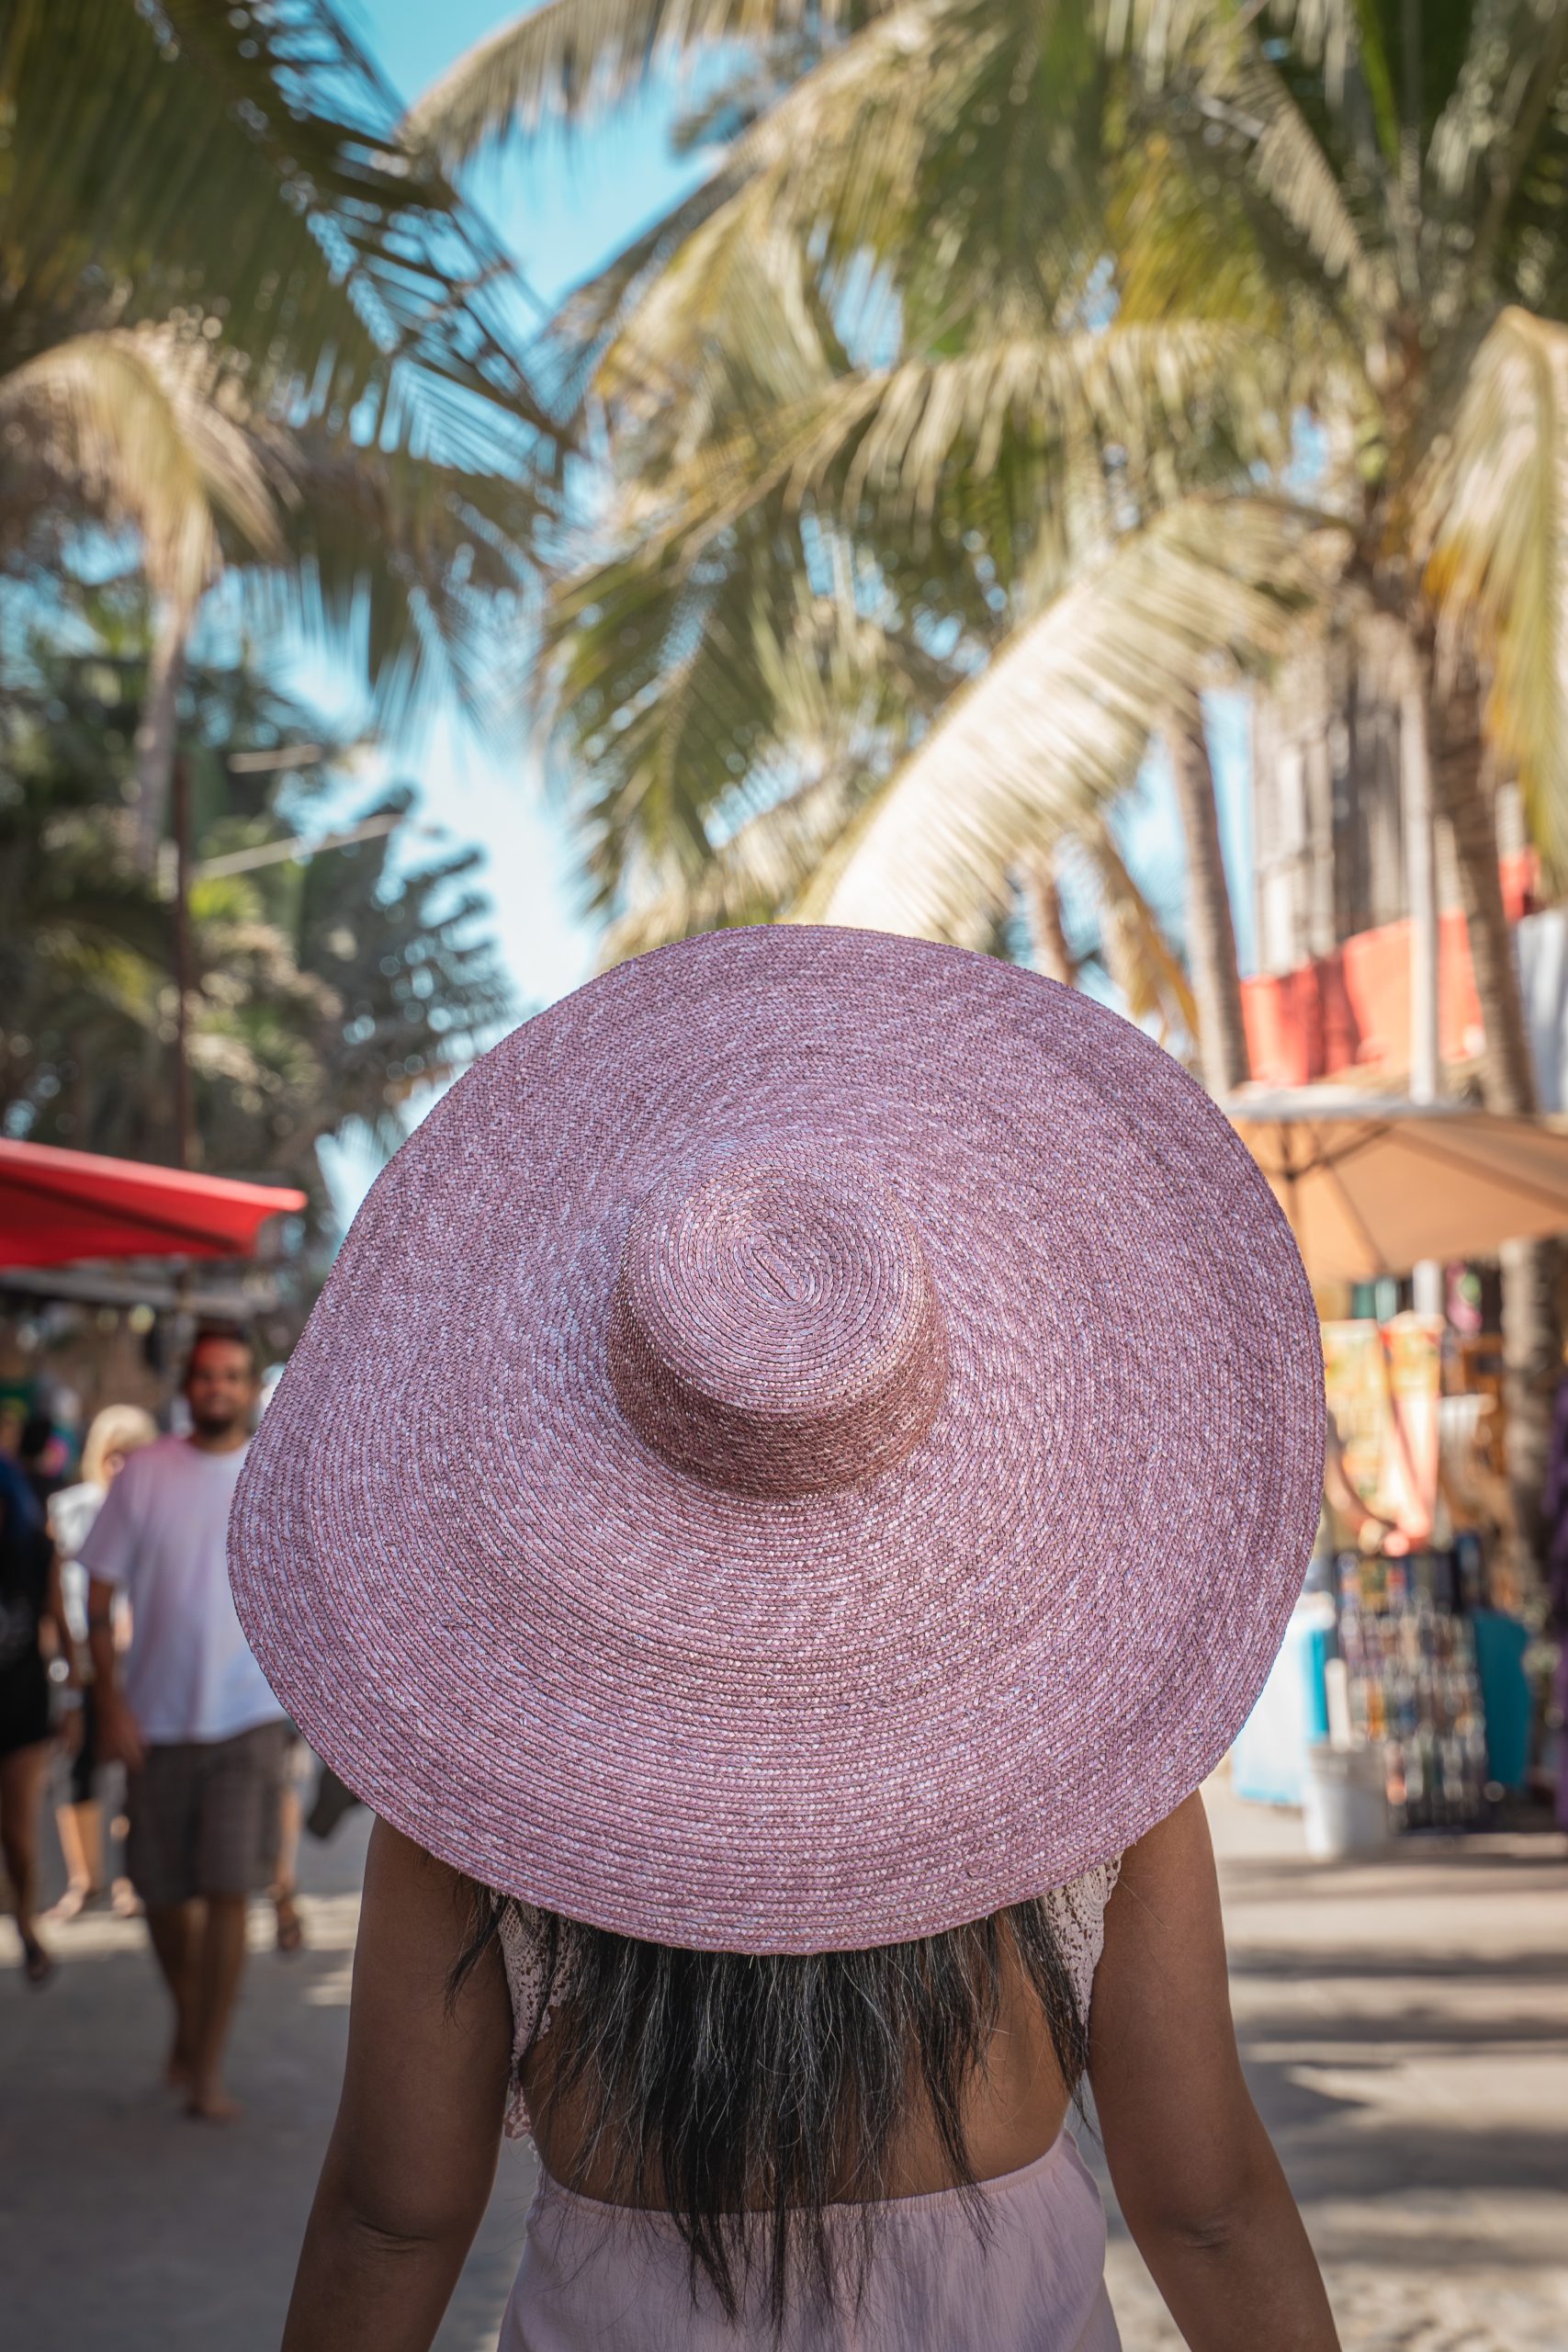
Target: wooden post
181, 814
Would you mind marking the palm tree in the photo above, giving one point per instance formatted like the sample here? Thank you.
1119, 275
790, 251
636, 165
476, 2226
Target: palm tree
322, 989
812, 556
237, 317
980, 387
1381, 200
1374, 199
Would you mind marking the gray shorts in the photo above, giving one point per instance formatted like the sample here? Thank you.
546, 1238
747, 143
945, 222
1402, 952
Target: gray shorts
204, 1818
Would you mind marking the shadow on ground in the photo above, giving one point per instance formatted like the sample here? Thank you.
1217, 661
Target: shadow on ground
125, 2228
1404, 2029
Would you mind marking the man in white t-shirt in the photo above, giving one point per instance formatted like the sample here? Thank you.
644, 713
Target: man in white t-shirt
187, 1710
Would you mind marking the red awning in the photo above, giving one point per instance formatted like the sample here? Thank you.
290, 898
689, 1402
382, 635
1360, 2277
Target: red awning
59, 1206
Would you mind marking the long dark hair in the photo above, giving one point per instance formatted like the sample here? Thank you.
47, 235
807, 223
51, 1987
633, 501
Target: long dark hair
745, 2094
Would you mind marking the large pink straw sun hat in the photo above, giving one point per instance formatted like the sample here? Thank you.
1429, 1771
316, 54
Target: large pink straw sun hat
815, 1438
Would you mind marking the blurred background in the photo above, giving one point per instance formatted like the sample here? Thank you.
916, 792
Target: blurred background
481, 496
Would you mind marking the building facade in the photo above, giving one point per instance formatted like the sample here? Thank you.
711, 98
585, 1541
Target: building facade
1331, 995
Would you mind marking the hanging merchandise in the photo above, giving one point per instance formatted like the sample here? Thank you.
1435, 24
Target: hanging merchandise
1420, 1522
1413, 1684
1405, 1658
1384, 1383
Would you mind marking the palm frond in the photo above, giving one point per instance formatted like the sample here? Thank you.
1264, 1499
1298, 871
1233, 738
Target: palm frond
842, 697
1059, 724
1145, 389
661, 706
130, 422
1498, 152
750, 877
692, 699
244, 165
415, 569
595, 311
729, 387
1148, 972
733, 334
1249, 99
1491, 520
876, 155
576, 58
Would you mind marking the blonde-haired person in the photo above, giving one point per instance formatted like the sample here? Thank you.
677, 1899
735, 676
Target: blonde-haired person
113, 1436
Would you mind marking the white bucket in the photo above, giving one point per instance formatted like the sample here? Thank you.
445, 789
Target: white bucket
1344, 1803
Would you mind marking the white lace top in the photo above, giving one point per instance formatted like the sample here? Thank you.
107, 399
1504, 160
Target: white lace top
1077, 1913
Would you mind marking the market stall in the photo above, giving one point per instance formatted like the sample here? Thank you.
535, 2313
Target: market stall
99, 1280
57, 1206
1400, 1654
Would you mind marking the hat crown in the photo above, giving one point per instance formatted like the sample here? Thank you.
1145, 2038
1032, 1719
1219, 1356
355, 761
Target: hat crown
774, 1330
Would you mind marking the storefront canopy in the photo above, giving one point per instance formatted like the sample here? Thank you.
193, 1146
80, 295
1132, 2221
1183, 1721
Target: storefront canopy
1370, 1186
60, 1206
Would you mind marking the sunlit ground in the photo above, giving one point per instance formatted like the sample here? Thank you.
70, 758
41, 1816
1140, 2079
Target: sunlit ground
1405, 2029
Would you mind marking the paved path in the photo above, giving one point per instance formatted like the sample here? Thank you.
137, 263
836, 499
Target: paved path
1405, 2033
1405, 2029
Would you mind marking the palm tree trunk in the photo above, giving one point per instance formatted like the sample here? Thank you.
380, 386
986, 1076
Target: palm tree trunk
1047, 932
1533, 1321
1118, 951
1211, 932
156, 735
1417, 815
1464, 796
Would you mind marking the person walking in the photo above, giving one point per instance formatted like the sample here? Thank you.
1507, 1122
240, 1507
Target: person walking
195, 1724
798, 1473
30, 1613
116, 1433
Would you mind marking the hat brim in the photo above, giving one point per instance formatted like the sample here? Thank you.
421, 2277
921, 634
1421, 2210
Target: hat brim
598, 1682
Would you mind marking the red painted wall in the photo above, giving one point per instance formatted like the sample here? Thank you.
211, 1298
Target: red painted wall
1351, 1010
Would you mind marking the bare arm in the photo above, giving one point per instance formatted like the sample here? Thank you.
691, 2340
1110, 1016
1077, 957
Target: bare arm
119, 1733
412, 2155
54, 1613
1197, 2179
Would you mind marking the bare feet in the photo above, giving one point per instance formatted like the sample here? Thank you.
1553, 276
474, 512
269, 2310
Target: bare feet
178, 2070
290, 1926
37, 1965
125, 1902
74, 1902
210, 2103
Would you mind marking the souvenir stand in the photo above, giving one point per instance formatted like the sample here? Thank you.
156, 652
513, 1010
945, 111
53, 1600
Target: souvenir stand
1429, 1666
1397, 1647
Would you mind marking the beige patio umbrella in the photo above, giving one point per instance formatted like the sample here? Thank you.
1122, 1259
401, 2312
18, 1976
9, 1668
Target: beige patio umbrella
1372, 1185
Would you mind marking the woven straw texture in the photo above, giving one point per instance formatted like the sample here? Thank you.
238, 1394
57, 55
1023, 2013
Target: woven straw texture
815, 1438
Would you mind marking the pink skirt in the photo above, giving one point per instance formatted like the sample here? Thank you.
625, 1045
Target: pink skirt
601, 2277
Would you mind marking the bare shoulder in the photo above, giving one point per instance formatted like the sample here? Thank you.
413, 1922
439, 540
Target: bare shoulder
1164, 1938
408, 1868
415, 1909
424, 2044
1168, 1877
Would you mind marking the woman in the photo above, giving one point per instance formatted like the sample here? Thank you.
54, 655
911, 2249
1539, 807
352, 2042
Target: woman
799, 1471
30, 1614
113, 1435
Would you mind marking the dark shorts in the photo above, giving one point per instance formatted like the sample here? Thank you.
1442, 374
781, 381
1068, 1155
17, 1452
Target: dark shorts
24, 1703
204, 1818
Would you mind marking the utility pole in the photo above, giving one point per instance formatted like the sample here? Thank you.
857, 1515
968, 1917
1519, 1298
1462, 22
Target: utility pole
181, 812
1421, 884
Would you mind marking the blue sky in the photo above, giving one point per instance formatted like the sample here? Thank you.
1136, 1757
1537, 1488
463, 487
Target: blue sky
563, 207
